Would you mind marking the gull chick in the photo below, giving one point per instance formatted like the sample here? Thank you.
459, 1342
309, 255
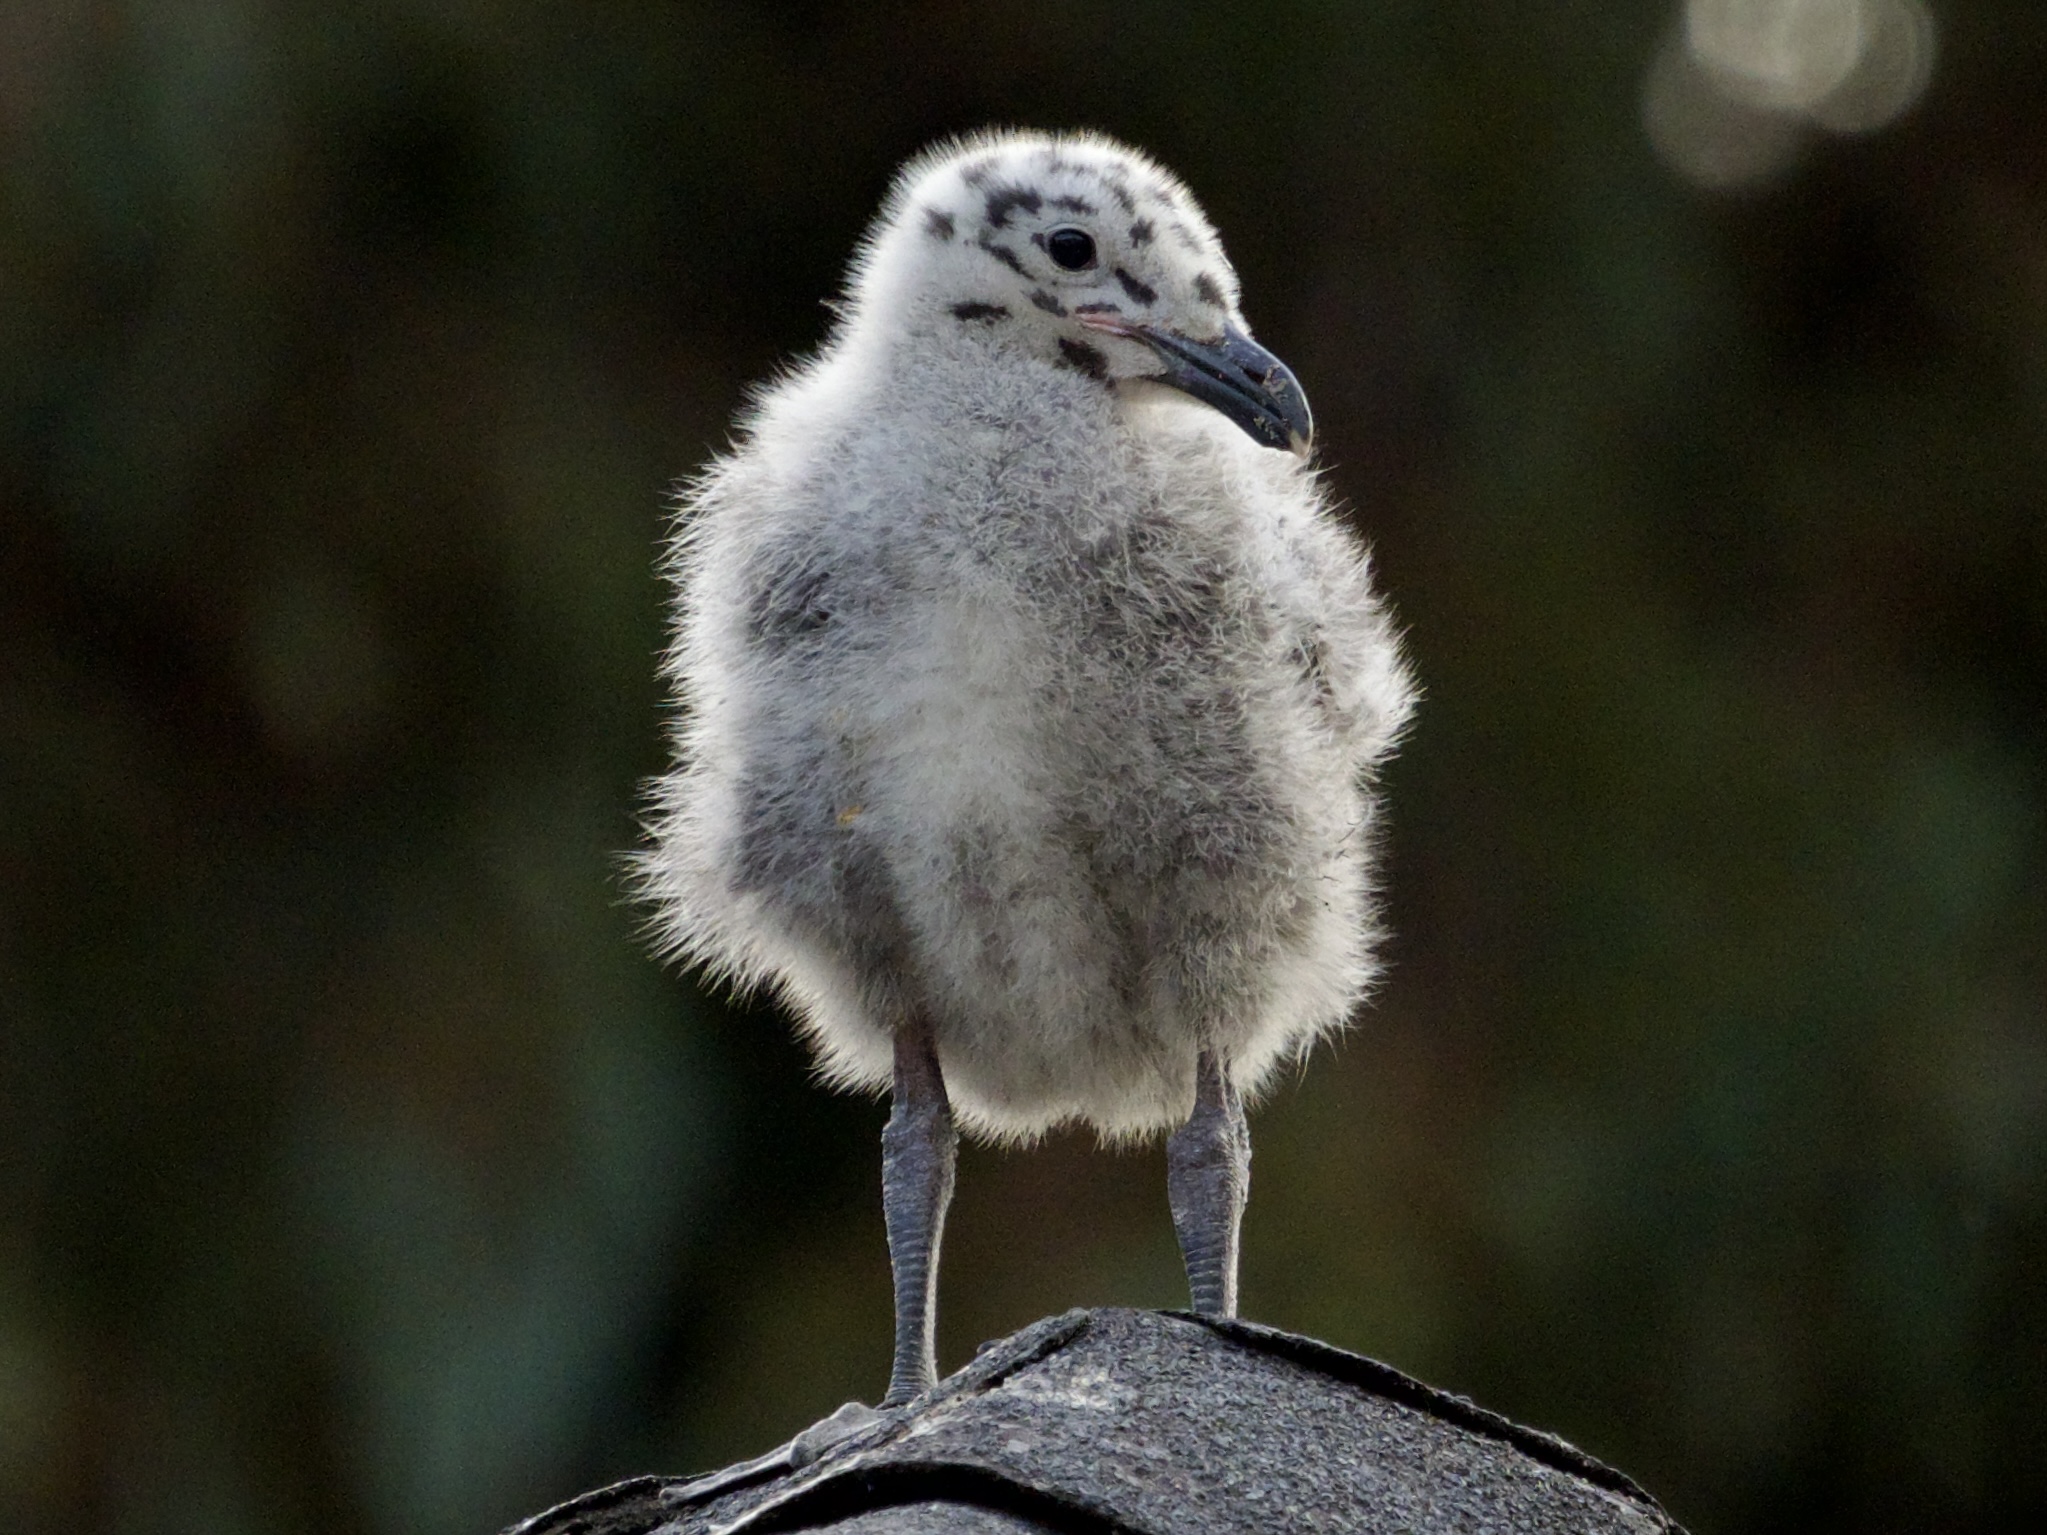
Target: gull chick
1031, 696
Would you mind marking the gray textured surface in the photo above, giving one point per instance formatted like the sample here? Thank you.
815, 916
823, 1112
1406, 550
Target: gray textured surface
936, 1519
1125, 1421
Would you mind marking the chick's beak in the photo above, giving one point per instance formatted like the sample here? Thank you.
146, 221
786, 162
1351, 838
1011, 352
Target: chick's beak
1235, 375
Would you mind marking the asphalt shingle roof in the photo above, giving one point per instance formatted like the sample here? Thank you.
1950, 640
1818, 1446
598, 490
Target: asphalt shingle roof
1115, 1422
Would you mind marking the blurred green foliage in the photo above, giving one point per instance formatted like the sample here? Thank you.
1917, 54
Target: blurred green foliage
358, 1172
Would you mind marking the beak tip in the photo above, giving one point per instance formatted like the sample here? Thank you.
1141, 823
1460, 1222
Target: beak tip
1235, 375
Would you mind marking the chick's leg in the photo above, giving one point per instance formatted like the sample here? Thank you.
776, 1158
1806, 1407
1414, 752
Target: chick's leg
917, 1152
1208, 1176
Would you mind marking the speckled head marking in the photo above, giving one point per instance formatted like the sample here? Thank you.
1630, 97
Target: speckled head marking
1078, 251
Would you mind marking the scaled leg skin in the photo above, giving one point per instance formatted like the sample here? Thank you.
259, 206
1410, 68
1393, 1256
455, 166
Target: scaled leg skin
917, 1150
1208, 1177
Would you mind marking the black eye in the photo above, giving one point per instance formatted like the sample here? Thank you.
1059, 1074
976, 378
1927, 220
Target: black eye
1071, 248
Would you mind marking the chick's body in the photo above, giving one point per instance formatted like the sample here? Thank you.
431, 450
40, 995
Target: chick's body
1025, 697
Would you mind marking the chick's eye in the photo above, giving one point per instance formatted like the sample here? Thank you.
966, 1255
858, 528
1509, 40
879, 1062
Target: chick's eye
1073, 249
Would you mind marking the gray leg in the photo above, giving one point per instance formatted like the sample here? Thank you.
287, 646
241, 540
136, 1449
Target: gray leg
917, 1150
1208, 1176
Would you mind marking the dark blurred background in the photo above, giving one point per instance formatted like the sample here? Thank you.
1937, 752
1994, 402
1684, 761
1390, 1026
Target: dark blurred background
1687, 365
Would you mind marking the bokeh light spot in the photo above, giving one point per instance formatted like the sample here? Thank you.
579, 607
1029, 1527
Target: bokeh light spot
1788, 54
1707, 136
1734, 92
1891, 73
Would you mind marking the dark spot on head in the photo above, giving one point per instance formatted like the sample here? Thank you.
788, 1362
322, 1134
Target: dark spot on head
1046, 302
977, 172
938, 223
1141, 232
1139, 292
1003, 254
1097, 308
974, 310
1083, 358
1122, 195
1206, 290
1186, 237
1074, 204
1004, 200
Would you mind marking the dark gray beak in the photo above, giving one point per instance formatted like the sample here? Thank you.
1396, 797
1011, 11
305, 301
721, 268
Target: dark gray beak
1236, 375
